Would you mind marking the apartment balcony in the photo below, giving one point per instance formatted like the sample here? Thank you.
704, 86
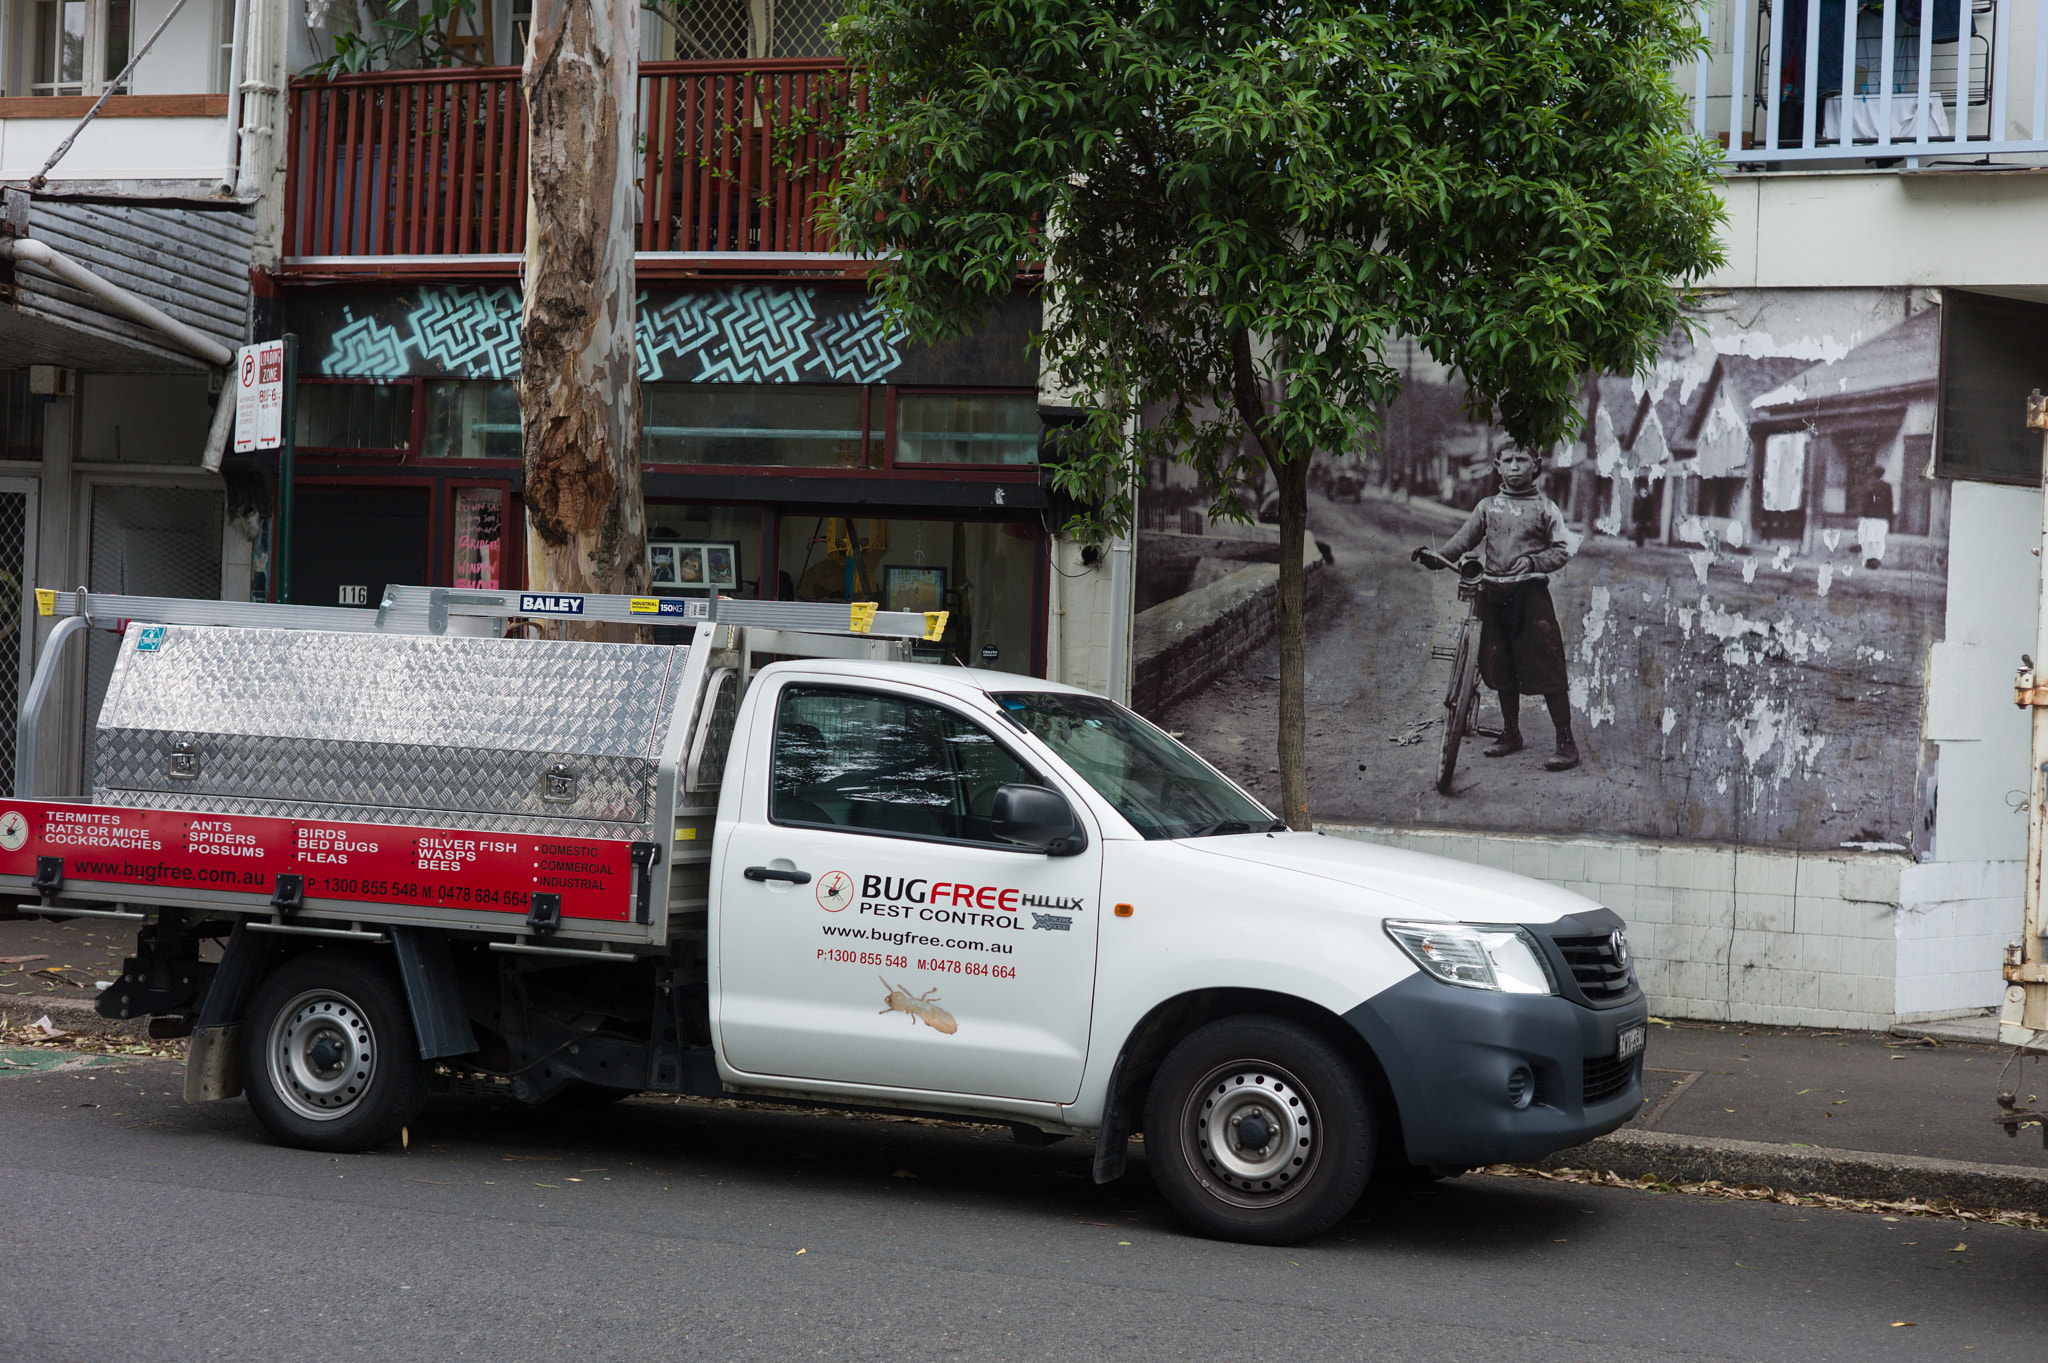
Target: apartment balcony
1793, 85
423, 173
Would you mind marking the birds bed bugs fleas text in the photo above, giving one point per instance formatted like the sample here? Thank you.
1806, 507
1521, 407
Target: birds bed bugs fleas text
919, 1006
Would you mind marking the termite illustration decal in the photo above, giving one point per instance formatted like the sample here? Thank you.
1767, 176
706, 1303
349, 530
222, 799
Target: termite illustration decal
919, 1006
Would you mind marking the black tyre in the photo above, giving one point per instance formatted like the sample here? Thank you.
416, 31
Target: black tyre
329, 1058
1258, 1079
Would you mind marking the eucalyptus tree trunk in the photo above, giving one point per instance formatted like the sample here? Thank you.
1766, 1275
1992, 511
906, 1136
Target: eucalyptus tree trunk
579, 386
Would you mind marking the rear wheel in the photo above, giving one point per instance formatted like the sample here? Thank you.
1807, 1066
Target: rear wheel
329, 1056
1258, 1130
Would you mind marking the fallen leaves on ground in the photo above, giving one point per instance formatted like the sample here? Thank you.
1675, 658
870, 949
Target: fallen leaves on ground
27, 1036
1757, 1192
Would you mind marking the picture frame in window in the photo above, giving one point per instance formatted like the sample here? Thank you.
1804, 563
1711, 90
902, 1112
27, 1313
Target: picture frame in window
694, 564
913, 587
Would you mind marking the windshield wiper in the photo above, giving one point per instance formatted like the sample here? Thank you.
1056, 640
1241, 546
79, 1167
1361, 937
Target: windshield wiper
1210, 830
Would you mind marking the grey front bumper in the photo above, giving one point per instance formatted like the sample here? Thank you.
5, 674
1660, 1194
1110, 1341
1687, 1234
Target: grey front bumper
1448, 1053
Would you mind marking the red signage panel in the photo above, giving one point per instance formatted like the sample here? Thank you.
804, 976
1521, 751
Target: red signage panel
355, 862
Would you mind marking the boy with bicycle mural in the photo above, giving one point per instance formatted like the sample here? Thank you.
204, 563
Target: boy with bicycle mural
1522, 538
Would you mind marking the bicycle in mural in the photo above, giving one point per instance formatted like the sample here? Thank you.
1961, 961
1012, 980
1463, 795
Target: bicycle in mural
1461, 697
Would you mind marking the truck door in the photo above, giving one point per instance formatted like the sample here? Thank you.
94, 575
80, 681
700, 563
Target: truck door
872, 931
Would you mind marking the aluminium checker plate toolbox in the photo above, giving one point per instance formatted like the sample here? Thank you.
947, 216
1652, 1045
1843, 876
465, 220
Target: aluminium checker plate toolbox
531, 738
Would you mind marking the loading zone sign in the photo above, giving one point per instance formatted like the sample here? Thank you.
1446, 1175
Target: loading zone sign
259, 397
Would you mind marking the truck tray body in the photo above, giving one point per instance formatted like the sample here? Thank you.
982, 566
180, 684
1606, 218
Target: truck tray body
407, 778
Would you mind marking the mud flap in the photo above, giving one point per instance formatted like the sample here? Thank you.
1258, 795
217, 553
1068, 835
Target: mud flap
432, 993
213, 1064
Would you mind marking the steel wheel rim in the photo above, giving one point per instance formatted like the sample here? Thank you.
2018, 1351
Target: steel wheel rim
322, 1055
1219, 1114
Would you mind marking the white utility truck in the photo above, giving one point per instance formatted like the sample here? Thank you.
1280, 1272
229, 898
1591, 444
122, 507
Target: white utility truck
560, 869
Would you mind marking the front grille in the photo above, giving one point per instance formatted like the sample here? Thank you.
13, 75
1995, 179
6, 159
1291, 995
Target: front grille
1598, 969
1608, 1076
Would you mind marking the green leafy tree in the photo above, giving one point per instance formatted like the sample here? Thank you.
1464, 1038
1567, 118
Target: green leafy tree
1240, 205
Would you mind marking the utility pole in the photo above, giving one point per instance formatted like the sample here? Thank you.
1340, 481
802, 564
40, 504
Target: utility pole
2024, 1019
579, 386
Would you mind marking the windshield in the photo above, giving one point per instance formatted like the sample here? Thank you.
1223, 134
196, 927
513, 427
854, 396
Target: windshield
1162, 788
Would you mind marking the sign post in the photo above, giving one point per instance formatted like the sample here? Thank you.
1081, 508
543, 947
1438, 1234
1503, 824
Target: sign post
266, 375
287, 474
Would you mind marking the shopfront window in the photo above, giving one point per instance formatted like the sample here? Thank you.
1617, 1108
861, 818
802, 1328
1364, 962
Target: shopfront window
984, 572
361, 418
473, 419
967, 428
774, 425
696, 550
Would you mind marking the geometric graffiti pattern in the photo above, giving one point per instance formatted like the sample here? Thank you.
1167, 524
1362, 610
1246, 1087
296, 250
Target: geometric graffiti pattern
365, 349
736, 334
468, 333
748, 334
855, 347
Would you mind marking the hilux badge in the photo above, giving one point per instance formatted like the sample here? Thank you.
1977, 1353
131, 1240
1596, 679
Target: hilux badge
1619, 941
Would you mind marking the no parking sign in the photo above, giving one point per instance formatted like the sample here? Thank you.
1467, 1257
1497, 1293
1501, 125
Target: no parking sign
259, 397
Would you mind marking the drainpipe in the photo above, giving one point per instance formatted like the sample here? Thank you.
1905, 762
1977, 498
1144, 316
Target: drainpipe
232, 158
116, 299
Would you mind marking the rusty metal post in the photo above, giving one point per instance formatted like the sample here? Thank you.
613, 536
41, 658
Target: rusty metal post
2023, 1021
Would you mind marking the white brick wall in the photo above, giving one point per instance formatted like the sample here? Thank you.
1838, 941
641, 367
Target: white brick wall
1953, 923
1808, 939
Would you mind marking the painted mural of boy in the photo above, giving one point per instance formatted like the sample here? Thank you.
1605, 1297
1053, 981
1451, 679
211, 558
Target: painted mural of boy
1522, 540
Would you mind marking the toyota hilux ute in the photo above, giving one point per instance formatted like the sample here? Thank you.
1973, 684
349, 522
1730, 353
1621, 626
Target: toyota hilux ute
556, 870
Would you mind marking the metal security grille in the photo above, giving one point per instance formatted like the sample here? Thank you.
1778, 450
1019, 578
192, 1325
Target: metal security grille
797, 27
714, 29
146, 541
706, 30
15, 539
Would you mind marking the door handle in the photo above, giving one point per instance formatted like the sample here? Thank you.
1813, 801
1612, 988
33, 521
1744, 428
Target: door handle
770, 873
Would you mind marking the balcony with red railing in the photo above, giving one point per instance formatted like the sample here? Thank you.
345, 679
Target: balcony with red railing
423, 173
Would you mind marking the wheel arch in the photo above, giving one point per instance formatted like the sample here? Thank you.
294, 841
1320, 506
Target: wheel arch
1163, 1028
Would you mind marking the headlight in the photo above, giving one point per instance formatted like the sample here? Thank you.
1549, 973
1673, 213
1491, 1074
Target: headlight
1477, 955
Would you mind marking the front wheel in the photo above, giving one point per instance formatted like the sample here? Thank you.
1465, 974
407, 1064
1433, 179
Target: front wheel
1459, 704
1258, 1130
329, 1056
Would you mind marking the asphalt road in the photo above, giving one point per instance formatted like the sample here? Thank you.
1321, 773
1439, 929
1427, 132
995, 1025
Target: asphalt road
138, 1228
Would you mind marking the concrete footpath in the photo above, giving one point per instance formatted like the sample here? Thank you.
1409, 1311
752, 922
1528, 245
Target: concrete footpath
1853, 1114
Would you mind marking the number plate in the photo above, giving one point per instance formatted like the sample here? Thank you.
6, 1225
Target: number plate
1630, 1041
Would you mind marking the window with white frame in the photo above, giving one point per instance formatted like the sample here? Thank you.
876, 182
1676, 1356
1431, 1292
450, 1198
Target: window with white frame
74, 47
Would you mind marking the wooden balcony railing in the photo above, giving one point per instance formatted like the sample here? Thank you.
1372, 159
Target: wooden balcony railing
733, 158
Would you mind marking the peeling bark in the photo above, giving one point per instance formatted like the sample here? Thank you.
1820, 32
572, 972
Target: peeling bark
579, 383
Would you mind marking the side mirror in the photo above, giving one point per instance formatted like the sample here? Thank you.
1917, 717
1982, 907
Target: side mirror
1032, 816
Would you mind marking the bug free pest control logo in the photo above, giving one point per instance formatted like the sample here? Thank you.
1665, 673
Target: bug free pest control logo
13, 830
835, 891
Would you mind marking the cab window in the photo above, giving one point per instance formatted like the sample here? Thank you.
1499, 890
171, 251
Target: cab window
873, 763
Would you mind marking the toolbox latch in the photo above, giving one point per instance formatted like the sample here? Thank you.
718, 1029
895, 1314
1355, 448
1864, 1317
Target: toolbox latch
558, 784
182, 762
544, 912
